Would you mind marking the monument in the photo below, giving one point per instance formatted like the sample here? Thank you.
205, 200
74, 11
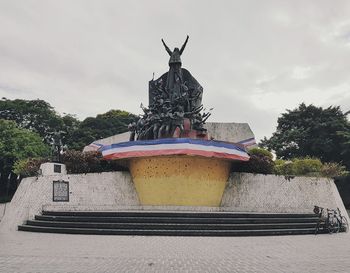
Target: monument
181, 180
170, 155
175, 104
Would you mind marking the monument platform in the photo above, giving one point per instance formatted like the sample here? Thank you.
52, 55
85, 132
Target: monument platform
178, 171
173, 223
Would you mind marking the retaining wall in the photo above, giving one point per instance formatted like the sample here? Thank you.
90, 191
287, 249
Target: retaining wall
115, 190
91, 191
272, 193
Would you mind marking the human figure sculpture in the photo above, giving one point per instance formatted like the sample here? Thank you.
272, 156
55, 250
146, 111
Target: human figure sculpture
175, 56
178, 121
132, 130
57, 146
175, 79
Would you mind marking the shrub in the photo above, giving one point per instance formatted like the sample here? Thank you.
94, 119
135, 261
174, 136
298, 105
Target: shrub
307, 166
79, 162
332, 169
283, 167
260, 162
88, 162
75, 161
260, 152
28, 167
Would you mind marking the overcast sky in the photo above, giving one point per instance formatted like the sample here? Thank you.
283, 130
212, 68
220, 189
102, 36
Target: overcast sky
254, 59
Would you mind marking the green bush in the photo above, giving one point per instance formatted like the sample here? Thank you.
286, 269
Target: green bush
333, 170
88, 162
260, 152
79, 162
28, 167
260, 162
75, 161
283, 167
307, 166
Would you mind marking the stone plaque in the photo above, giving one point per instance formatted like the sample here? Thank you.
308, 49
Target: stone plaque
60, 191
57, 168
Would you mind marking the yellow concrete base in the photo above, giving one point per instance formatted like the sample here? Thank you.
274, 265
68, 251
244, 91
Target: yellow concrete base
180, 180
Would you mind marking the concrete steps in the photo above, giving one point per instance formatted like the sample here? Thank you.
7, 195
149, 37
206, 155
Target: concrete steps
170, 223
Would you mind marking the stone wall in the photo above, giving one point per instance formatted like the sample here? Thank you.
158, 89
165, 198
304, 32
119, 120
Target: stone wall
115, 191
272, 193
91, 191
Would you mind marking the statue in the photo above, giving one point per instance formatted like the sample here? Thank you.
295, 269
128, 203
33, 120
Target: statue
174, 98
175, 80
57, 146
132, 129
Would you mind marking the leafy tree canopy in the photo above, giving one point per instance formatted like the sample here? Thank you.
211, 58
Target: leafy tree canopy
39, 116
36, 115
103, 125
312, 131
108, 124
17, 143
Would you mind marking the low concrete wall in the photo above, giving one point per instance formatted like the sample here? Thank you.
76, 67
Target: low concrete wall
115, 191
272, 193
91, 191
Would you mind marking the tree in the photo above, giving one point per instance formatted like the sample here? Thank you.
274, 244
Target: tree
39, 116
312, 131
108, 124
17, 143
103, 125
36, 115
345, 147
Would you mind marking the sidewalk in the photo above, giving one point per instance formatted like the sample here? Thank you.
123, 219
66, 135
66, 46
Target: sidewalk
46, 253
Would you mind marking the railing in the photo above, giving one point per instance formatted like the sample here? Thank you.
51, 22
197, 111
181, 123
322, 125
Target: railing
330, 220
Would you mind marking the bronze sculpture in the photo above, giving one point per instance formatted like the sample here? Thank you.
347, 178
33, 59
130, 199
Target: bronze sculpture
175, 103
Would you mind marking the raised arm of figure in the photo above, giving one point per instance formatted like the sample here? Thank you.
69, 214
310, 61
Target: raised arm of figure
184, 45
167, 48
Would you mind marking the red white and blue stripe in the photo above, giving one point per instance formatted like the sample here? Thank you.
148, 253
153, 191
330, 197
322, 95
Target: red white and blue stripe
175, 146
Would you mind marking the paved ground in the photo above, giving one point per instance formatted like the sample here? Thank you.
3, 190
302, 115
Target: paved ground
39, 252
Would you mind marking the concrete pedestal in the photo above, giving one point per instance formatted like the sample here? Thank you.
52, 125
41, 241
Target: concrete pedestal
180, 180
51, 168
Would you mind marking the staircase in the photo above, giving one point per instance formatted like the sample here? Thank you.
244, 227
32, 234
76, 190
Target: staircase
171, 223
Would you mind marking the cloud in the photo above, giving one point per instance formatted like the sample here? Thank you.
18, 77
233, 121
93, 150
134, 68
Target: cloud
254, 59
